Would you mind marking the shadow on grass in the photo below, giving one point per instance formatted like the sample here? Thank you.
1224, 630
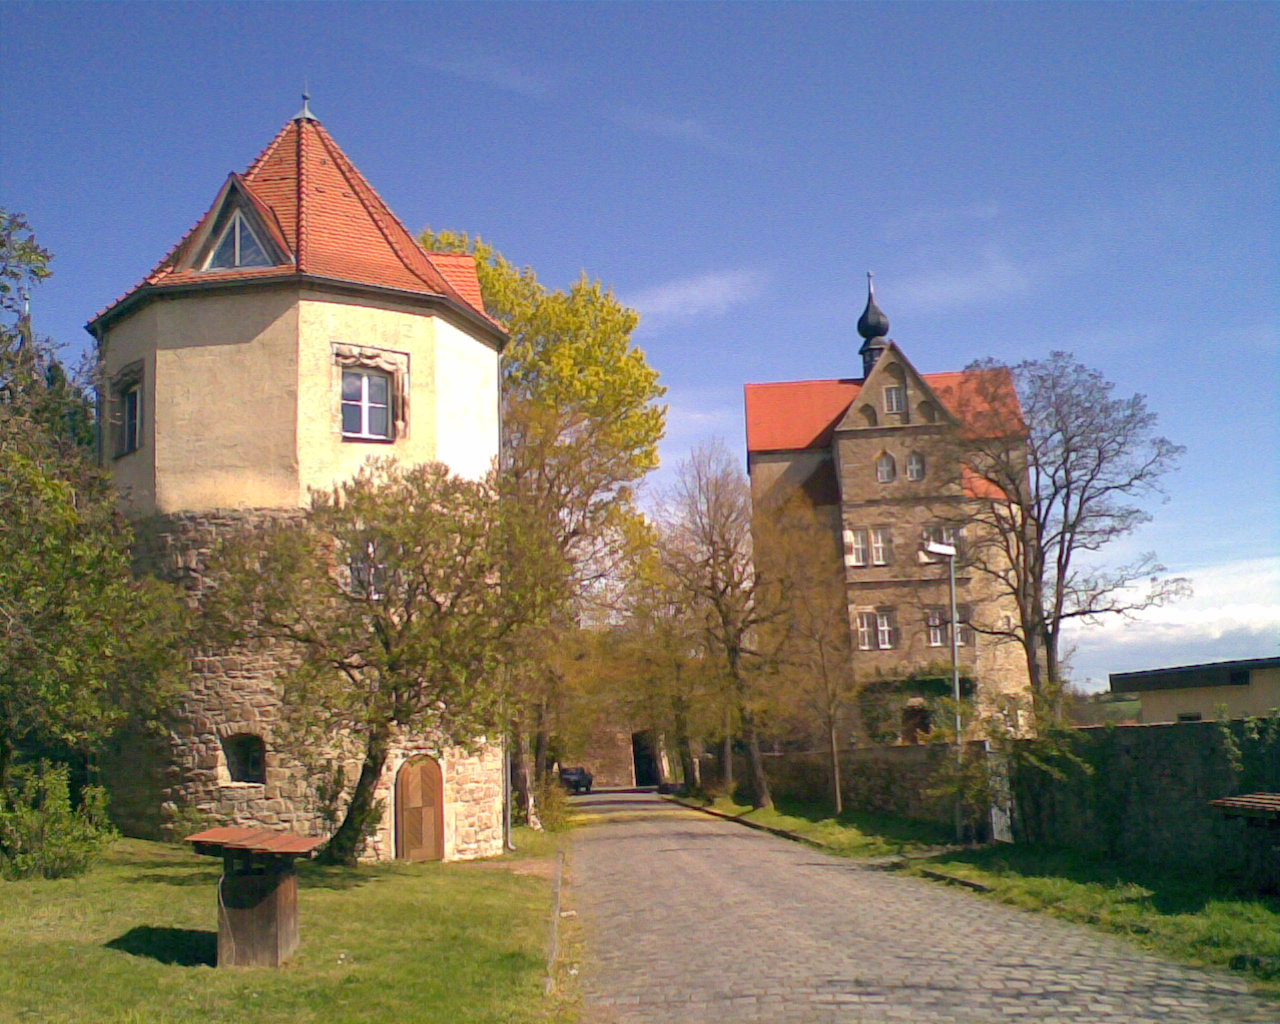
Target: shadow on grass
335, 876
893, 830
184, 947
184, 878
1171, 891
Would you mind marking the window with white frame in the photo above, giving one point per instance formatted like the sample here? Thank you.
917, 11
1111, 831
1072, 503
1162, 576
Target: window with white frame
939, 533
238, 247
881, 545
895, 398
866, 631
878, 630
366, 405
915, 466
886, 468
368, 571
855, 548
886, 629
938, 623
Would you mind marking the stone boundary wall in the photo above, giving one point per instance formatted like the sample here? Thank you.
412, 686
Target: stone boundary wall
1147, 797
1144, 795
883, 780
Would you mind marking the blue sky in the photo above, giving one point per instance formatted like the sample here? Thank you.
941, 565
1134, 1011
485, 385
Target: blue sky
1100, 178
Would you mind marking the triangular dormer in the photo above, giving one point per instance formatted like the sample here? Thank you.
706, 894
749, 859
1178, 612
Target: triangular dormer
238, 233
894, 394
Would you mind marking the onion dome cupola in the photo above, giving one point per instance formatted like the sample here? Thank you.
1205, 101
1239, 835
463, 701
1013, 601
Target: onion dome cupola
873, 325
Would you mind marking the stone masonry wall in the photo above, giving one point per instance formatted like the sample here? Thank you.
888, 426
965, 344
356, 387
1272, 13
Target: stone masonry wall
180, 776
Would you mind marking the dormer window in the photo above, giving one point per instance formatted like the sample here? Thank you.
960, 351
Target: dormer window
238, 247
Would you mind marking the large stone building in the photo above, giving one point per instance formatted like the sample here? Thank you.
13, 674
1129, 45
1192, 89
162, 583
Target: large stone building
295, 331
874, 459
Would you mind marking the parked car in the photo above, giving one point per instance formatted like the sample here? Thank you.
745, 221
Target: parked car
576, 780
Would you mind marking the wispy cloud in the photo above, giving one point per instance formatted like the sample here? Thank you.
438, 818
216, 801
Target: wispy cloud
1234, 612
990, 276
490, 70
711, 294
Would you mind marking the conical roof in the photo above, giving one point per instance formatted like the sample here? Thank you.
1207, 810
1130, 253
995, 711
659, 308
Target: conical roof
327, 220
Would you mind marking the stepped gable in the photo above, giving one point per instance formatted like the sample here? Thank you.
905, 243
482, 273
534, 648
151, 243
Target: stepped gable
803, 415
323, 213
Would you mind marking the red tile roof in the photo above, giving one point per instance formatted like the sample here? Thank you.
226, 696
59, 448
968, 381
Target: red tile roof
799, 415
330, 221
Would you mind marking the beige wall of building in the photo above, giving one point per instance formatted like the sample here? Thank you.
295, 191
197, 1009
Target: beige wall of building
1260, 697
242, 395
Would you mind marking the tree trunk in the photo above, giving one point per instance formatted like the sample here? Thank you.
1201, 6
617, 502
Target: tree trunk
835, 768
684, 749
757, 781
521, 780
6, 757
345, 845
726, 772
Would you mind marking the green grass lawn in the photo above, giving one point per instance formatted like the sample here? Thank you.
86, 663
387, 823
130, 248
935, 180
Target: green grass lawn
134, 941
1190, 916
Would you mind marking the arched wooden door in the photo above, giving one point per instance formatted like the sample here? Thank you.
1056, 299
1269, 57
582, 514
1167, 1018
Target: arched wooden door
420, 810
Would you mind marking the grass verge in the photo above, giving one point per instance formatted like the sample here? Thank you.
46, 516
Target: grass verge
1189, 916
134, 941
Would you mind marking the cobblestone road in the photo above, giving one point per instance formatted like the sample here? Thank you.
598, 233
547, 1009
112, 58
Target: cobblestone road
692, 920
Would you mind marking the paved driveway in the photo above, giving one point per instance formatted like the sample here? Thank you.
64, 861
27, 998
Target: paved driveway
691, 919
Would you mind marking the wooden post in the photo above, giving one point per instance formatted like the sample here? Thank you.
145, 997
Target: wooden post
258, 913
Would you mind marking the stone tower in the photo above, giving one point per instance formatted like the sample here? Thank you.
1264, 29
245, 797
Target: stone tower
296, 330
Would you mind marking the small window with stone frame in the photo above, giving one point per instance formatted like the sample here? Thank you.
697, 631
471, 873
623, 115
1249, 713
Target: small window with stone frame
246, 756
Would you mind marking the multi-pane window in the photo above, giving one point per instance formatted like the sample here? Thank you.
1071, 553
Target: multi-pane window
855, 548
915, 466
941, 534
238, 247
366, 405
938, 622
878, 630
368, 572
895, 398
886, 629
881, 545
886, 469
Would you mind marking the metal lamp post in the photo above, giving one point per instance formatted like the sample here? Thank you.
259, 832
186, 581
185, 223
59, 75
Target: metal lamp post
948, 551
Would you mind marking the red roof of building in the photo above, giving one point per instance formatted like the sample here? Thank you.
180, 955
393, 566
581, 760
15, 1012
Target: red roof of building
798, 415
323, 212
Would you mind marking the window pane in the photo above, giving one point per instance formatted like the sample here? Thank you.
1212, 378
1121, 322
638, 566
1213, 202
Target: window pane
350, 418
225, 254
379, 421
350, 386
377, 389
251, 253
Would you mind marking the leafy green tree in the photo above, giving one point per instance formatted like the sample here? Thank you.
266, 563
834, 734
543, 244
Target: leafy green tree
83, 644
395, 599
582, 420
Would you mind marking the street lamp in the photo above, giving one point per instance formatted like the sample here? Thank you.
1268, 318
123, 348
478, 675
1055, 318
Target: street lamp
948, 551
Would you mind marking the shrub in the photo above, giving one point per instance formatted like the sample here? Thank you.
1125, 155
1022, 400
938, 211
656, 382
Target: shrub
553, 804
40, 832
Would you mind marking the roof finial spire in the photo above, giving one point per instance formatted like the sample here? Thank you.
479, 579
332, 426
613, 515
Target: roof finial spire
305, 113
873, 323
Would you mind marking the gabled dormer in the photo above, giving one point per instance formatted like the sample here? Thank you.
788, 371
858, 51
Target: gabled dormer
239, 232
894, 394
